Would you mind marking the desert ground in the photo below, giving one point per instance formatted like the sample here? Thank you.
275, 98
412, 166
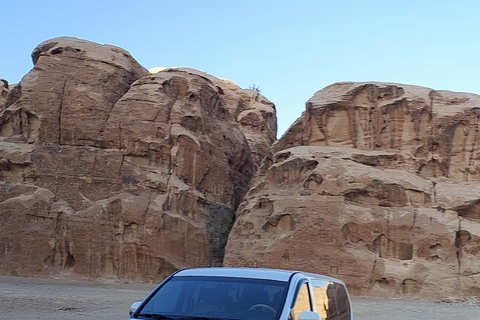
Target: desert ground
55, 299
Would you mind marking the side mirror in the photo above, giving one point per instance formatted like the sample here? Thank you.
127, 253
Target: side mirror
135, 306
309, 315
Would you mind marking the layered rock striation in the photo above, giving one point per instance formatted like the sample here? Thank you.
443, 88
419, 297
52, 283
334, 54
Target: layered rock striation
376, 184
107, 170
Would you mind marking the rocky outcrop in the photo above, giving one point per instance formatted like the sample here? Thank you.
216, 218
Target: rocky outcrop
71, 79
433, 131
107, 170
376, 184
253, 112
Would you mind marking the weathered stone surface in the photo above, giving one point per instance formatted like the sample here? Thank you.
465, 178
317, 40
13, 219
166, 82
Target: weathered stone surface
376, 184
433, 131
109, 171
71, 79
253, 112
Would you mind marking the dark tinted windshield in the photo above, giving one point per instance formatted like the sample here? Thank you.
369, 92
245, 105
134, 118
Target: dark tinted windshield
217, 298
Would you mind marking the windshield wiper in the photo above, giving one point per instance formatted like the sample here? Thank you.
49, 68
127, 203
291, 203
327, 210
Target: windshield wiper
154, 316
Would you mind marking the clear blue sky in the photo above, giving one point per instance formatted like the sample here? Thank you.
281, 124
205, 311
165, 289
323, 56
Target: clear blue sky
290, 49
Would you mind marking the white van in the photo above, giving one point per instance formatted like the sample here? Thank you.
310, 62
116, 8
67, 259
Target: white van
245, 294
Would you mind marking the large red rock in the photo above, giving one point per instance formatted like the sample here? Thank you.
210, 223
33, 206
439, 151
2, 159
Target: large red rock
376, 184
109, 171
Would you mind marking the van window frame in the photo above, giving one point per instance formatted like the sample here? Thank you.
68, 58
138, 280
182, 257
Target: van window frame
297, 291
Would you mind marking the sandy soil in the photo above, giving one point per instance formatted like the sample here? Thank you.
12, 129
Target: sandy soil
52, 299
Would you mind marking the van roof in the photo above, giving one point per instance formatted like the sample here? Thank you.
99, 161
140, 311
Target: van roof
252, 273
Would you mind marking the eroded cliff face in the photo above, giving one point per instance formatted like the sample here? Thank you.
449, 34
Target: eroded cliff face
376, 184
435, 132
109, 171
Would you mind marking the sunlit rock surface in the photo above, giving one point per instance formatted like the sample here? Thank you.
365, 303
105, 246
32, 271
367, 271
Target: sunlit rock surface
107, 170
377, 184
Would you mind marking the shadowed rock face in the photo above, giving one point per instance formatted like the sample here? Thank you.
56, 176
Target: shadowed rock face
109, 171
3, 93
376, 184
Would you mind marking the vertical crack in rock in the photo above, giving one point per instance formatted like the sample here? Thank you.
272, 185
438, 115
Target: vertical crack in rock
375, 263
171, 145
49, 212
415, 213
120, 170
145, 213
104, 126
462, 238
169, 106
372, 274
170, 136
120, 137
434, 192
474, 146
430, 110
57, 179
458, 246
94, 163
60, 113
469, 152
57, 220
389, 213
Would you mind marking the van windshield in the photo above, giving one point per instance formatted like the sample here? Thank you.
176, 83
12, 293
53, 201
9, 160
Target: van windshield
216, 298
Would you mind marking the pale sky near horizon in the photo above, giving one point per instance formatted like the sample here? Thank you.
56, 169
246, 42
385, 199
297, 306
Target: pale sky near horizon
290, 49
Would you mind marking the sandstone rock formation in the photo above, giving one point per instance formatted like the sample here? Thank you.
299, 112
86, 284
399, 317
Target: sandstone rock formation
254, 113
107, 170
376, 184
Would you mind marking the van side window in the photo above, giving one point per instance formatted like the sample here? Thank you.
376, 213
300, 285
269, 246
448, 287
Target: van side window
302, 303
331, 300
